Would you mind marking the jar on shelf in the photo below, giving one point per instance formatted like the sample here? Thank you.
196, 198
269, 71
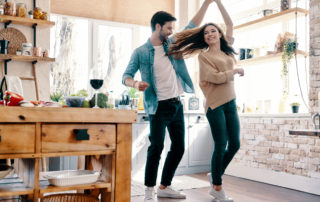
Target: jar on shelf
10, 8
37, 51
21, 10
46, 53
37, 13
1, 8
44, 16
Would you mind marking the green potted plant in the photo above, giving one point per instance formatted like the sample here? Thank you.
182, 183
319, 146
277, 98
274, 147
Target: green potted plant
134, 96
295, 107
289, 48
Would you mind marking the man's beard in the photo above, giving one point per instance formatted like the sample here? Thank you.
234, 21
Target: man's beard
162, 37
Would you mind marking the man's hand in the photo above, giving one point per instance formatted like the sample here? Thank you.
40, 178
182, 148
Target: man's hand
141, 85
239, 71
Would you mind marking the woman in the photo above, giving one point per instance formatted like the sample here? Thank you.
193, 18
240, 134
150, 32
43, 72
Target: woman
216, 62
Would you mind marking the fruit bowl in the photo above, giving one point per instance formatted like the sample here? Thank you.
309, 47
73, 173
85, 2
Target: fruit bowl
74, 101
5, 170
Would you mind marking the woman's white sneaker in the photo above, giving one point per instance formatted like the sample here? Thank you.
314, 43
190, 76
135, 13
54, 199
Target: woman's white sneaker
168, 192
220, 195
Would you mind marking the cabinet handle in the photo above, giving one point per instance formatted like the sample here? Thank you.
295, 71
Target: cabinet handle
145, 118
198, 119
81, 134
0, 138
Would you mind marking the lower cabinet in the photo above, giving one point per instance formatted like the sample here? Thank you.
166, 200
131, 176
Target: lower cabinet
140, 143
200, 141
198, 145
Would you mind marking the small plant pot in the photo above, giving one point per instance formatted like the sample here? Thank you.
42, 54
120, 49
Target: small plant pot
295, 109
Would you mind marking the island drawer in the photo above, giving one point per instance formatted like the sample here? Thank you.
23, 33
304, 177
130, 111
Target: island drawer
67, 137
17, 138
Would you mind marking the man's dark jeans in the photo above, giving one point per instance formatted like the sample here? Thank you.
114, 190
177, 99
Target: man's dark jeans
225, 129
169, 115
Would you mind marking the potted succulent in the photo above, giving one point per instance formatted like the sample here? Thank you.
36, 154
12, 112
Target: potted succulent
30, 14
18, 52
295, 107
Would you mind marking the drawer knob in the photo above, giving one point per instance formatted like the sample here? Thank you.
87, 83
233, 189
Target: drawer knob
22, 117
81, 134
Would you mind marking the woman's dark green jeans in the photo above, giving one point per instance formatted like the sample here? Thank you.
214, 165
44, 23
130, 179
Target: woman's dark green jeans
225, 129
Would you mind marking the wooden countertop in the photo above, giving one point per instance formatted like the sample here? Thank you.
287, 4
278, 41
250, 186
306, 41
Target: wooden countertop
50, 114
305, 132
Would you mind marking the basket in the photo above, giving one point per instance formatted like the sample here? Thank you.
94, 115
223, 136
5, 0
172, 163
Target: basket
16, 38
69, 198
71, 177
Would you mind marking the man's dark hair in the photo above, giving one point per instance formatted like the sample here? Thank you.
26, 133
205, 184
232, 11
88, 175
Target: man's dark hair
161, 17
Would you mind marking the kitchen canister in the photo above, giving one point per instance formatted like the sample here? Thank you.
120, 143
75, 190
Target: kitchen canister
26, 49
37, 51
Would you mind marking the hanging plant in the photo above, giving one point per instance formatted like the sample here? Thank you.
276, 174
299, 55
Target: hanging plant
288, 51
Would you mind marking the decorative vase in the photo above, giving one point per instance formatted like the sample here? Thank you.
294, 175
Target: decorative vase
285, 4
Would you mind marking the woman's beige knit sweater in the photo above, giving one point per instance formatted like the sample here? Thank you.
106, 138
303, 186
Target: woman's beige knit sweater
216, 78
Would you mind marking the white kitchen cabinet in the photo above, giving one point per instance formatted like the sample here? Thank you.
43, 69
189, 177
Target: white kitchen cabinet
200, 141
140, 142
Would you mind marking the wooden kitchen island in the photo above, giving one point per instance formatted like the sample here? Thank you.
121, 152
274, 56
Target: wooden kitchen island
32, 134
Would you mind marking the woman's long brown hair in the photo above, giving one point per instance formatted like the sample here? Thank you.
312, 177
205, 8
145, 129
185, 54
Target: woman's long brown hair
191, 41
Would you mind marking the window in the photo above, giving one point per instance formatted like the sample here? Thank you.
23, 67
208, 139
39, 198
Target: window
79, 43
70, 45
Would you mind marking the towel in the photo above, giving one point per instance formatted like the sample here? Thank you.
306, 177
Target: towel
14, 84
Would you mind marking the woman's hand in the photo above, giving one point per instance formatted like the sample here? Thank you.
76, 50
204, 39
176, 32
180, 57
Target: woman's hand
209, 1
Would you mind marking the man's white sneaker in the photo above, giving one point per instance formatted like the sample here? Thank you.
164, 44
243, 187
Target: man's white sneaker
149, 194
168, 192
209, 176
220, 195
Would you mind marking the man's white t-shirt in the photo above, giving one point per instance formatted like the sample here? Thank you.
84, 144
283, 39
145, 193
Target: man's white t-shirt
167, 82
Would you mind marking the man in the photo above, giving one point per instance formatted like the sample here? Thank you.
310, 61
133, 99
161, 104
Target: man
164, 78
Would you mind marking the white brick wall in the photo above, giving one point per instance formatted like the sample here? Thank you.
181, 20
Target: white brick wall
269, 146
314, 54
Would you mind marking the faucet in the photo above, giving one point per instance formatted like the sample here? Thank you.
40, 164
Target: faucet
314, 120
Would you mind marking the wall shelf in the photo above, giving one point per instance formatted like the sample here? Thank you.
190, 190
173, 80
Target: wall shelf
265, 58
25, 21
23, 58
273, 18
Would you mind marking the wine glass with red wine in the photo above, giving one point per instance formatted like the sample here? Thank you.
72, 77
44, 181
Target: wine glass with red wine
96, 82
